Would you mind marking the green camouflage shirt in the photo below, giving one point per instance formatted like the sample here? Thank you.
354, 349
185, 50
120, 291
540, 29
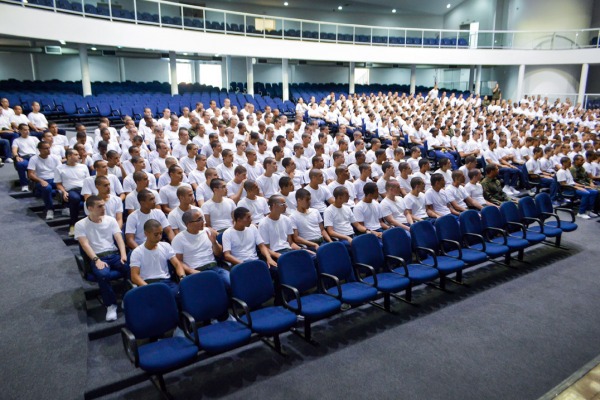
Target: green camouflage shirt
492, 191
580, 176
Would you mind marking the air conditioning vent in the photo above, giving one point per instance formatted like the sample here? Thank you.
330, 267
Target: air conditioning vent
53, 50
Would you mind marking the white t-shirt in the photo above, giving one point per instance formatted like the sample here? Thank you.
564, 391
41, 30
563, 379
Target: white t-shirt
438, 200
196, 249
219, 213
71, 177
89, 185
44, 168
175, 217
268, 185
242, 244
319, 197
132, 203
307, 223
369, 214
38, 119
129, 184
99, 235
395, 208
351, 191
258, 208
457, 194
533, 166
168, 194
564, 175
416, 205
475, 192
113, 206
152, 263
226, 173
275, 233
137, 219
340, 219
26, 146
203, 192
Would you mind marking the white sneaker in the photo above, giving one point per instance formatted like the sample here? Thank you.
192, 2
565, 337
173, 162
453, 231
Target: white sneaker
9, 161
592, 214
72, 231
111, 313
66, 212
506, 189
25, 188
583, 216
515, 191
49, 214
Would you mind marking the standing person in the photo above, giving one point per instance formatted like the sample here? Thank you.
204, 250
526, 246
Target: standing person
40, 170
97, 235
69, 179
496, 92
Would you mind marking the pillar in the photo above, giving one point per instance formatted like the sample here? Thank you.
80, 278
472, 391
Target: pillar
225, 72
173, 64
583, 83
478, 80
520, 80
351, 78
413, 79
33, 69
285, 79
86, 84
249, 76
197, 68
122, 69
471, 78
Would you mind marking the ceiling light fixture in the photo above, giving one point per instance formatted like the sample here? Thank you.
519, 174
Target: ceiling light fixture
185, 54
339, 7
285, 4
448, 5
394, 10
93, 49
62, 42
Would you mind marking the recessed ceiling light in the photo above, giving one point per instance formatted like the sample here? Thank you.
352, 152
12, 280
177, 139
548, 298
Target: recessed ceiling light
93, 49
216, 55
339, 7
448, 5
119, 47
285, 4
185, 54
394, 10
62, 42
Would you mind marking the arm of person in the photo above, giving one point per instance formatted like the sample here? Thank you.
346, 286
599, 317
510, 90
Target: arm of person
394, 222
188, 270
430, 212
455, 206
290, 240
216, 247
130, 241
87, 249
266, 252
33, 177
410, 218
207, 220
238, 195
297, 239
230, 258
136, 277
169, 232
179, 269
334, 234
324, 233
118, 236
165, 208
453, 210
61, 188
119, 218
473, 203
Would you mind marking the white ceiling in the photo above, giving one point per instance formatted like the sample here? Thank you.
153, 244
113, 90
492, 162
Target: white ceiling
423, 7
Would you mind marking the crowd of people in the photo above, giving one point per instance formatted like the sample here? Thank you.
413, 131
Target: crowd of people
215, 187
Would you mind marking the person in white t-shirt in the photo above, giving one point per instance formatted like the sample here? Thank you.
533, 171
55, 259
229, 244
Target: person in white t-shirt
134, 228
457, 194
276, 229
257, 205
185, 195
217, 211
338, 218
393, 208
415, 201
69, 179
436, 200
38, 120
586, 193
197, 246
89, 184
307, 222
321, 197
40, 170
113, 204
23, 148
141, 181
475, 190
168, 193
149, 262
242, 239
368, 211
101, 240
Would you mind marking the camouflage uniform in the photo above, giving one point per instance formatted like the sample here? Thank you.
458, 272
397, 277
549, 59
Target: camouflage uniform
492, 191
580, 176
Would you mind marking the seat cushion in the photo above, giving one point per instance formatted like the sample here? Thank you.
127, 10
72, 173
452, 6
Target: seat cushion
271, 320
549, 231
446, 265
514, 243
223, 336
565, 226
166, 354
492, 249
355, 293
418, 273
389, 282
532, 237
317, 306
470, 256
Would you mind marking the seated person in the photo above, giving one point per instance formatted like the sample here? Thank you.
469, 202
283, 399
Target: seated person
40, 170
535, 172
276, 229
138, 165
241, 240
168, 193
393, 208
69, 179
475, 190
257, 205
437, 203
149, 261
134, 228
217, 211
307, 222
368, 211
492, 188
235, 187
415, 201
196, 246
89, 184
458, 196
97, 235
339, 220
23, 148
586, 193
113, 204
268, 182
185, 194
141, 181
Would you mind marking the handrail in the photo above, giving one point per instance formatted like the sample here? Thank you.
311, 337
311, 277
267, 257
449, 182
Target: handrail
322, 31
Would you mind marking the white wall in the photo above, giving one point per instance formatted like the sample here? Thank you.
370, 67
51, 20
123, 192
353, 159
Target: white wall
506, 76
390, 76
15, 66
552, 80
482, 11
320, 74
63, 67
267, 73
146, 70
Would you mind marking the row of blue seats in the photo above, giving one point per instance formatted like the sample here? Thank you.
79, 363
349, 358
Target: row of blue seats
354, 277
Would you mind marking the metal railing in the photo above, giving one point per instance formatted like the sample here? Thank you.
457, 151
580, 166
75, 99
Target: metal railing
194, 18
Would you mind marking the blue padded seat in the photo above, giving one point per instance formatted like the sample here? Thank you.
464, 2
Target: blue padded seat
223, 336
543, 203
271, 320
514, 218
166, 354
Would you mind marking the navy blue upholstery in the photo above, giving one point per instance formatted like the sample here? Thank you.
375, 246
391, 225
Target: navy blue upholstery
531, 215
338, 278
448, 231
205, 298
516, 226
495, 224
543, 203
472, 231
397, 247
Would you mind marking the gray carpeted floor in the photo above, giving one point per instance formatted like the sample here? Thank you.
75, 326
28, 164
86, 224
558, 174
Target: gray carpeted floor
514, 334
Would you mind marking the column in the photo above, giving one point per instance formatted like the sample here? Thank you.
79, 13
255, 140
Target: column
197, 68
351, 77
520, 80
583, 83
122, 69
413, 78
33, 69
478, 80
285, 79
85, 70
249, 76
173, 64
471, 78
225, 72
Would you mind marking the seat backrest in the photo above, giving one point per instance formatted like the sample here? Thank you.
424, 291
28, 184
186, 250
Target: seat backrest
204, 296
423, 235
447, 228
333, 259
543, 202
492, 218
251, 282
470, 222
367, 250
528, 208
150, 310
510, 212
296, 268
396, 242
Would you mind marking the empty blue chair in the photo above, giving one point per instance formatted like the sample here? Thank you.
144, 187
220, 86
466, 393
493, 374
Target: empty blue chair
472, 232
338, 277
516, 226
448, 231
368, 255
251, 288
150, 313
495, 229
299, 285
427, 247
532, 215
204, 297
543, 202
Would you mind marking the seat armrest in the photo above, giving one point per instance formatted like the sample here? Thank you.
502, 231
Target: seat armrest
567, 210
522, 227
296, 293
130, 346
552, 215
497, 230
188, 323
433, 255
398, 259
453, 243
369, 268
335, 279
241, 303
478, 237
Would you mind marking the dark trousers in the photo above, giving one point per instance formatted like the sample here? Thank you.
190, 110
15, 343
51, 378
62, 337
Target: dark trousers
21, 167
46, 193
104, 277
75, 198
